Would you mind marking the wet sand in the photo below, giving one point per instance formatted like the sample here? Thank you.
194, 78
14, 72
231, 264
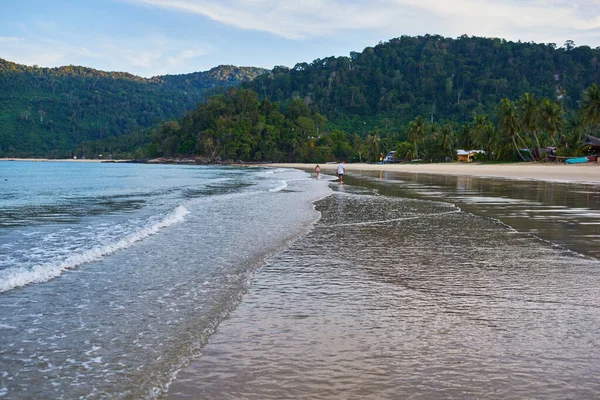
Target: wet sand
391, 297
586, 173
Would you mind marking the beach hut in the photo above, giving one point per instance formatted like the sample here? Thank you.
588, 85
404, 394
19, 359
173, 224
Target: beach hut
593, 143
467, 155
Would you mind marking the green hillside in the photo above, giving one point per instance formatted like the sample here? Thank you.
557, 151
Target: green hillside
423, 97
50, 111
441, 79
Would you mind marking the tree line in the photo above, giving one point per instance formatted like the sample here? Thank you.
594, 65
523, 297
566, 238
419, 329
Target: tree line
422, 96
239, 126
50, 111
441, 79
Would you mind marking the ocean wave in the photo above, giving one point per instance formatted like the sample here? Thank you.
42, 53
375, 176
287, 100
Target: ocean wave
283, 185
14, 277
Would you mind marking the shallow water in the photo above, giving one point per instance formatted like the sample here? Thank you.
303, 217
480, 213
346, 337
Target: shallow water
408, 286
565, 214
456, 289
110, 302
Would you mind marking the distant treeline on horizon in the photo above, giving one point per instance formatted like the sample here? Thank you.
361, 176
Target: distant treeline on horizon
422, 96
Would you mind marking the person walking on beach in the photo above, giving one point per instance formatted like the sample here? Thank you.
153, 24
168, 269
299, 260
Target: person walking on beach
340, 171
317, 171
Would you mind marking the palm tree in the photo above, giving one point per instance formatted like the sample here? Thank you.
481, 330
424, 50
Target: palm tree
509, 124
576, 127
552, 118
405, 151
529, 109
359, 147
484, 133
434, 130
411, 153
432, 134
465, 137
416, 132
373, 146
447, 139
590, 106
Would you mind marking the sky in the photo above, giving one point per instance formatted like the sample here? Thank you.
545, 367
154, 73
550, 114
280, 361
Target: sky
158, 37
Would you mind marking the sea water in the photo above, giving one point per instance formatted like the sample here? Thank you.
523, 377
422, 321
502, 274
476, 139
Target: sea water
420, 287
150, 281
112, 276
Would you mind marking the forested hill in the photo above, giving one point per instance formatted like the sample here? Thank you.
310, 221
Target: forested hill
432, 76
49, 111
377, 92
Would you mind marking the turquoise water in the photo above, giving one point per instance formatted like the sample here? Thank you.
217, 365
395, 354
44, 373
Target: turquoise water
112, 276
161, 281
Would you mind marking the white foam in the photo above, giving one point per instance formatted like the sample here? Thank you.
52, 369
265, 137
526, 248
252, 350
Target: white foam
493, 200
11, 278
279, 188
385, 221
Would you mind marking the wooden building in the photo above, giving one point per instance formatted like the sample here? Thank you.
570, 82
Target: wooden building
467, 155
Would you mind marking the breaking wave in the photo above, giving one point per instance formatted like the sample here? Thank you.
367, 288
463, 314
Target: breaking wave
14, 277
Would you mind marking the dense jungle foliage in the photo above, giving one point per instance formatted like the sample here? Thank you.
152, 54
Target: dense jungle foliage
423, 97
239, 125
50, 111
441, 79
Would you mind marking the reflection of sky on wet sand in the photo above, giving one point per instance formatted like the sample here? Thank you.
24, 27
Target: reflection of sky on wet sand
398, 297
566, 214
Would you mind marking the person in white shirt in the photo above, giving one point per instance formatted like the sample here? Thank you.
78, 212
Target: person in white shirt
340, 171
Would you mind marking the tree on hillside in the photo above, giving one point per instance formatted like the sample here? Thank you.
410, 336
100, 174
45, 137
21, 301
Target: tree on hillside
574, 134
590, 106
465, 137
373, 142
416, 132
319, 121
405, 151
447, 140
359, 147
552, 119
576, 127
484, 134
529, 111
509, 124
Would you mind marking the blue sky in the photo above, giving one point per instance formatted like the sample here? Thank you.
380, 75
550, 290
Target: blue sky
156, 37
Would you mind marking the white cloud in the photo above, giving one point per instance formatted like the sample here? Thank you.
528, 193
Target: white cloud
539, 20
289, 19
526, 14
10, 39
176, 61
336, 27
25, 52
144, 56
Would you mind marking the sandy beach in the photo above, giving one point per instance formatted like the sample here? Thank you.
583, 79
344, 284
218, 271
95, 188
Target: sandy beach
582, 173
586, 173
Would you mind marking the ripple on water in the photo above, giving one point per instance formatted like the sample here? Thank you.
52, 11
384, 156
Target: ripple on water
426, 302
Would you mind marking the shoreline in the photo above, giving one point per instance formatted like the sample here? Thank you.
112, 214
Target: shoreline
86, 160
575, 173
580, 173
354, 301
